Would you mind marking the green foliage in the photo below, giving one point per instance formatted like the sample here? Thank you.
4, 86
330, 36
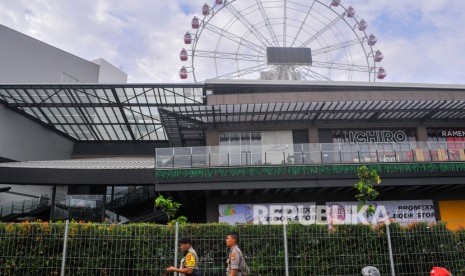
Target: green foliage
147, 249
365, 188
171, 208
326, 169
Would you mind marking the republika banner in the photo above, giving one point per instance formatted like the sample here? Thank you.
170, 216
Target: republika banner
267, 213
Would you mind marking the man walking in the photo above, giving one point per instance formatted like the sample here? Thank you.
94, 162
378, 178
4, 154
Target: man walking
190, 261
236, 265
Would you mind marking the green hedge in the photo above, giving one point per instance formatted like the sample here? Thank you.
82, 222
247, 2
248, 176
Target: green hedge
329, 169
147, 249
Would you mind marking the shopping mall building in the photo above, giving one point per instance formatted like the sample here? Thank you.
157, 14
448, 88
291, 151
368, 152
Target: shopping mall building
222, 147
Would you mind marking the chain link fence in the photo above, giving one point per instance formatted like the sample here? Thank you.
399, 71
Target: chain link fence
80, 248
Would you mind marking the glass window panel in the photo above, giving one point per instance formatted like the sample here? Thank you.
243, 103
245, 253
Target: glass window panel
82, 97
150, 97
70, 114
93, 115
60, 97
224, 139
49, 114
141, 131
28, 111
82, 132
103, 95
100, 113
121, 131
103, 132
60, 128
234, 139
62, 117
111, 132
15, 95
69, 130
121, 94
114, 115
182, 151
161, 135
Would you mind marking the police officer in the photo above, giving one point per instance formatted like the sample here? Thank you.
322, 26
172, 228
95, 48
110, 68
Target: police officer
190, 260
236, 265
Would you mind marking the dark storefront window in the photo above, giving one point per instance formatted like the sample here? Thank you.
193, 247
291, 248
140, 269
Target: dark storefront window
240, 148
367, 145
446, 144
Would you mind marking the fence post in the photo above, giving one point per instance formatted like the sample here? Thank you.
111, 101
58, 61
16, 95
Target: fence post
65, 244
286, 257
391, 258
176, 238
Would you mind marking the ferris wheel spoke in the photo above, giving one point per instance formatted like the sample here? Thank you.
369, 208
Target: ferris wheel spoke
263, 39
232, 37
322, 31
224, 55
242, 72
340, 66
285, 23
267, 22
335, 47
233, 42
312, 74
303, 23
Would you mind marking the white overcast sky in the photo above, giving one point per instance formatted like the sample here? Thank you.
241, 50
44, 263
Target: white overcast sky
422, 41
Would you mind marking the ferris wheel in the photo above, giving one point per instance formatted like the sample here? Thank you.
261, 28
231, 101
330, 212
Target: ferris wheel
318, 40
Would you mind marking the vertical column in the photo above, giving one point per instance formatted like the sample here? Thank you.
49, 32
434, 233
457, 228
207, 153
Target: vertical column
286, 256
176, 245
104, 204
391, 257
212, 137
313, 137
422, 135
52, 204
65, 245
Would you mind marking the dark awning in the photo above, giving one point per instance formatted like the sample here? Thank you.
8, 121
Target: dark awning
322, 112
95, 171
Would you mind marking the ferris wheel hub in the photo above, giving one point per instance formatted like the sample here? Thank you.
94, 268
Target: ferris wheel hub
288, 56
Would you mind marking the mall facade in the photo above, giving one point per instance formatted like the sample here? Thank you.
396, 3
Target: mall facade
90, 146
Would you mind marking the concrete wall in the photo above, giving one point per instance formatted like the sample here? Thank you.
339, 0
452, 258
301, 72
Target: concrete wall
22, 139
108, 73
24, 59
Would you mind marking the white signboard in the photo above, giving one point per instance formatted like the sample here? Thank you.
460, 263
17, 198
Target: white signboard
404, 212
268, 213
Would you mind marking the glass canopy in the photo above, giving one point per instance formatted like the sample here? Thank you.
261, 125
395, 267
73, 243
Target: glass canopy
102, 112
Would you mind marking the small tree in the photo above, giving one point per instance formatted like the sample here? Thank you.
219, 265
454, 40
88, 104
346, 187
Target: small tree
365, 187
171, 208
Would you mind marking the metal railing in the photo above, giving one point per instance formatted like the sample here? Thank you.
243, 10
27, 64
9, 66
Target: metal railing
93, 208
293, 249
302, 154
23, 207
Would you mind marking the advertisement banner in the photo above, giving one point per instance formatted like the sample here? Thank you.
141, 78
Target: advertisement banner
267, 213
404, 212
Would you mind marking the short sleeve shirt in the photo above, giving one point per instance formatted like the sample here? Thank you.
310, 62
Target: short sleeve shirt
190, 260
235, 261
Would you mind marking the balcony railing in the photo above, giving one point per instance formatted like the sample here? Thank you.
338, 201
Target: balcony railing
302, 154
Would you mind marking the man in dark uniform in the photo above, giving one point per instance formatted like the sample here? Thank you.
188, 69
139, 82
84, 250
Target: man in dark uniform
190, 260
236, 265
